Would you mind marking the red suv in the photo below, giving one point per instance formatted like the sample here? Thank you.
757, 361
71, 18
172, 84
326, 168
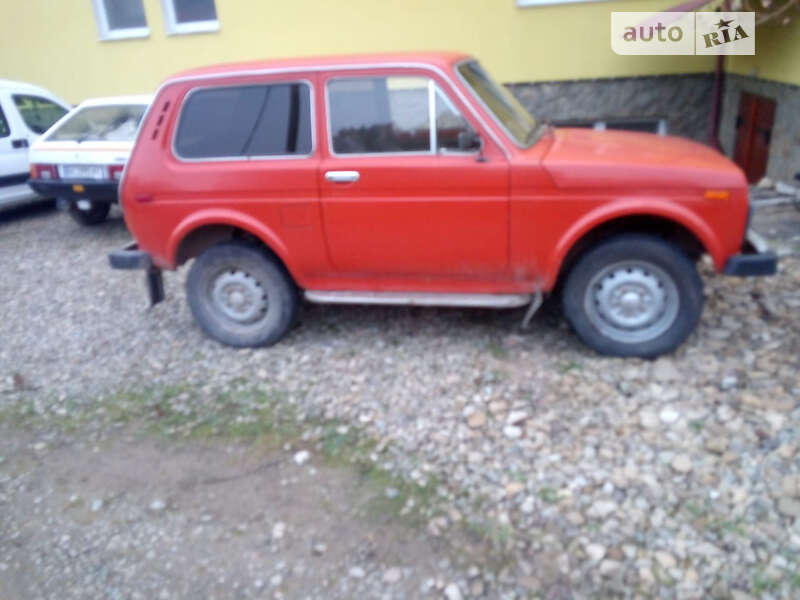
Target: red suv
416, 179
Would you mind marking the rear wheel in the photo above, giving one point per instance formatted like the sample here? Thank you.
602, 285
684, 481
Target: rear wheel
633, 295
89, 212
240, 295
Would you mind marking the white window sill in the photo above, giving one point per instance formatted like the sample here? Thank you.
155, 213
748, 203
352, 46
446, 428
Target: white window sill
125, 34
194, 27
524, 3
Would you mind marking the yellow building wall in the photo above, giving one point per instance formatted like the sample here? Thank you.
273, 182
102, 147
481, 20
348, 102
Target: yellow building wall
777, 55
55, 43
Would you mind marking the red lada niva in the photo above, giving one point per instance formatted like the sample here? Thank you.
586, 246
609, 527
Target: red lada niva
416, 179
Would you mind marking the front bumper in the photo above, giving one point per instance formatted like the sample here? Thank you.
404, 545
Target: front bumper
100, 191
131, 258
754, 260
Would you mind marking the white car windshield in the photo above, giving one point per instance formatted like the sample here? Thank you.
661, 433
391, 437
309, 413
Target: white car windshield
505, 108
117, 123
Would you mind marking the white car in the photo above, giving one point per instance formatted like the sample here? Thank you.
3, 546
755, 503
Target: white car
81, 158
26, 112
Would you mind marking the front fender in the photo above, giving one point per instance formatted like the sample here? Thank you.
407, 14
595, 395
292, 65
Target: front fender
665, 209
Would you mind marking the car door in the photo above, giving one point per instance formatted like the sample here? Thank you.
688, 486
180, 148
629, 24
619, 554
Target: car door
13, 146
401, 197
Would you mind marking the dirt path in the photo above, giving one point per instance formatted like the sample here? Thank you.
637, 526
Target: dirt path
136, 517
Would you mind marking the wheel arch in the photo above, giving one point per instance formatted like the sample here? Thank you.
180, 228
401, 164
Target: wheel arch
675, 224
206, 228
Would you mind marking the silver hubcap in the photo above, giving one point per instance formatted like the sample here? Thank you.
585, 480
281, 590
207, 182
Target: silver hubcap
632, 301
239, 296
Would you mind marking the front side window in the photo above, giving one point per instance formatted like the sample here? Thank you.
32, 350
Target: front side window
506, 109
453, 132
119, 19
246, 121
373, 115
37, 112
190, 16
4, 130
100, 124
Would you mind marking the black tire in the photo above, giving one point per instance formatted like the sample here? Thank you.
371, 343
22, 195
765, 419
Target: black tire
655, 281
94, 216
243, 320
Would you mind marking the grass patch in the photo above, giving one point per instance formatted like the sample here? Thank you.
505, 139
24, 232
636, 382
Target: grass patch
570, 366
762, 584
548, 494
697, 510
497, 349
727, 526
696, 425
498, 540
794, 580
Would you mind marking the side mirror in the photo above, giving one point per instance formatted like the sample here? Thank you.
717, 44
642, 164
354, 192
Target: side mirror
469, 140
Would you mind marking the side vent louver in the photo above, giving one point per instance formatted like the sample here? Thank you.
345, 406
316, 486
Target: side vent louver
160, 121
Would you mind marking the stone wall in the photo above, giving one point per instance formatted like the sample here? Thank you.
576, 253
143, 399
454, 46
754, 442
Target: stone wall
784, 148
683, 100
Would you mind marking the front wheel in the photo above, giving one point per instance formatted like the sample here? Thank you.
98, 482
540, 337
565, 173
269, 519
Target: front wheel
633, 295
89, 212
240, 295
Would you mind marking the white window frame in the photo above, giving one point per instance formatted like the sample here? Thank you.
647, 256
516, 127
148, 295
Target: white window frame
106, 33
432, 91
172, 27
524, 3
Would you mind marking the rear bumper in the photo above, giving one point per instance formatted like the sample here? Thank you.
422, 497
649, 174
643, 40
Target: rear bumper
100, 191
131, 258
755, 260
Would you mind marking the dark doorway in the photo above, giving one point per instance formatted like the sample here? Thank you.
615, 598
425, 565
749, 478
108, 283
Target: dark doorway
753, 132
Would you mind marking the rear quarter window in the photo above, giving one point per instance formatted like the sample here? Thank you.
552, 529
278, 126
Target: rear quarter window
245, 121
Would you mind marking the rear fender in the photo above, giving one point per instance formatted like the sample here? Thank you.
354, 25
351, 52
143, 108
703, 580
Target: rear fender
221, 216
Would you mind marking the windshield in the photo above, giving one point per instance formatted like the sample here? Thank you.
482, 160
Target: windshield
116, 123
507, 110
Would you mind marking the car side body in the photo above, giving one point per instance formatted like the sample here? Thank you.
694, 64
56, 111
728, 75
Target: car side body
26, 111
504, 221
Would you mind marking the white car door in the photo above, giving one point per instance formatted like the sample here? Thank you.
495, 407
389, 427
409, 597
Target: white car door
14, 143
25, 116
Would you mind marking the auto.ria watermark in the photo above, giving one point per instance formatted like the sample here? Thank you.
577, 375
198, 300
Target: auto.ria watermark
700, 33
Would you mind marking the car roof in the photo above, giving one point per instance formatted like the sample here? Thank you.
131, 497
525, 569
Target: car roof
21, 86
442, 60
144, 100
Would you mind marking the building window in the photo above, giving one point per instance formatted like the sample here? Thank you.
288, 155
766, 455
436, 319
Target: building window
658, 126
120, 19
523, 3
190, 16
646, 124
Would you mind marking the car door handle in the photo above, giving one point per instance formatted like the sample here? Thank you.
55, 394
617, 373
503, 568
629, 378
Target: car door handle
21, 143
342, 176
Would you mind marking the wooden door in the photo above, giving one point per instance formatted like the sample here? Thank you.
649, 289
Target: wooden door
753, 132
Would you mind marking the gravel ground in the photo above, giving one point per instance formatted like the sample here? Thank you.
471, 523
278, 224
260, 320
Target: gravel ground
603, 477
